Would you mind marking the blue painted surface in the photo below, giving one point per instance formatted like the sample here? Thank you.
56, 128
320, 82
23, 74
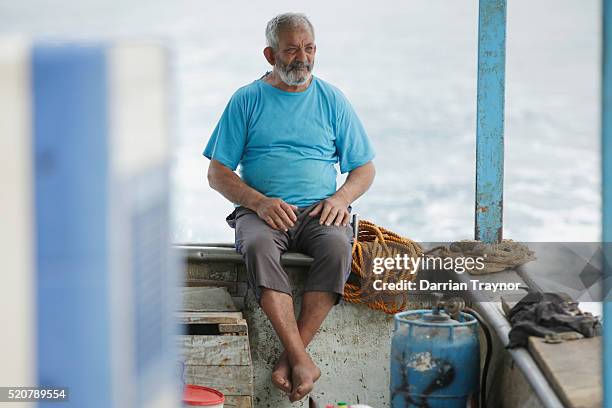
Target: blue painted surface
70, 133
434, 364
606, 149
490, 120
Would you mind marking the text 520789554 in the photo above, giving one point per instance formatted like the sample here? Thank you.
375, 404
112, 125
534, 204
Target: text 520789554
33, 394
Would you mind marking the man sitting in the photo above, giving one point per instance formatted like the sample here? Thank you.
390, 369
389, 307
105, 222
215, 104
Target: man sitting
287, 131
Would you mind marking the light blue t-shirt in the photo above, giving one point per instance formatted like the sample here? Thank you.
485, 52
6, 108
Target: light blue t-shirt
287, 143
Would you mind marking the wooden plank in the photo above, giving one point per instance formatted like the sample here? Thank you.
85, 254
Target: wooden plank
214, 350
231, 286
234, 401
207, 299
219, 271
234, 288
240, 327
209, 317
230, 380
573, 369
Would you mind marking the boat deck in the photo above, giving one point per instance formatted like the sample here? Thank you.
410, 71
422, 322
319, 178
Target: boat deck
353, 350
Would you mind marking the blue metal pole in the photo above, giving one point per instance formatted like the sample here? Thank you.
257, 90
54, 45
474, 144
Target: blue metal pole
490, 120
606, 161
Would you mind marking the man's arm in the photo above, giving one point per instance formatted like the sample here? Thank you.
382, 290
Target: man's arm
334, 210
274, 211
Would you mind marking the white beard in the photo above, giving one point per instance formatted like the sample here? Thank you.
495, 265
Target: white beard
293, 77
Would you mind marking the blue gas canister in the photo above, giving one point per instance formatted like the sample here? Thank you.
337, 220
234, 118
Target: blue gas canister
435, 360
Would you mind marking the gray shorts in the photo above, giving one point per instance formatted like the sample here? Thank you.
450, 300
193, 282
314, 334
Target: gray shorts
261, 247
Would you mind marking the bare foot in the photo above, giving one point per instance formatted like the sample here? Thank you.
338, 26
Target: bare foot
281, 374
304, 375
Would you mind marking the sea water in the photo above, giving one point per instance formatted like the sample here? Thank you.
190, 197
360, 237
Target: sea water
409, 69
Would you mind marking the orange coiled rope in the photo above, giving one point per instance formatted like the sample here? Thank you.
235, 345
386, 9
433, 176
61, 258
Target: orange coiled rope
372, 242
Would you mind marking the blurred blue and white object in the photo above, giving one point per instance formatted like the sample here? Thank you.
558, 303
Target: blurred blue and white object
87, 285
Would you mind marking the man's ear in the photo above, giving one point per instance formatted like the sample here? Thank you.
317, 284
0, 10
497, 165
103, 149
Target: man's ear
269, 54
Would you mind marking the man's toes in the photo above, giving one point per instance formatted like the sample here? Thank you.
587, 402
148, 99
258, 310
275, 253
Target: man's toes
300, 392
280, 382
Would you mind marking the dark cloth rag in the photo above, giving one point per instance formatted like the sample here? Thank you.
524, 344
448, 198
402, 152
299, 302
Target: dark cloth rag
539, 314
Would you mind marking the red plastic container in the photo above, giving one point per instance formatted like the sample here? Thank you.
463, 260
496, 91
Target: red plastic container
198, 396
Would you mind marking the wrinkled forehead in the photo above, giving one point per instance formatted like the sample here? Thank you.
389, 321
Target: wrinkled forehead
300, 35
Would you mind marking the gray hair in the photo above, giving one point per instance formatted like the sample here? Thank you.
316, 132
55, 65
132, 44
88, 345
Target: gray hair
285, 21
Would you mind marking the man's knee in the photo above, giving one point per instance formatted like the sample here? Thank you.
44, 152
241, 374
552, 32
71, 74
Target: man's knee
335, 247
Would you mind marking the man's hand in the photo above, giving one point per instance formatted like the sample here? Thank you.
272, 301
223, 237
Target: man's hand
333, 210
276, 213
